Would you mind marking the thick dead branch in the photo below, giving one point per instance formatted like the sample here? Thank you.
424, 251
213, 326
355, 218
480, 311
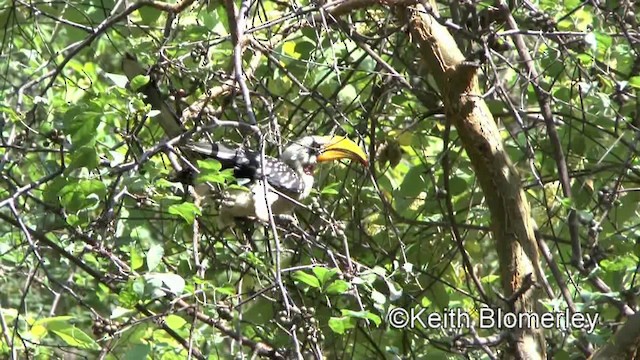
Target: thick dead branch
511, 222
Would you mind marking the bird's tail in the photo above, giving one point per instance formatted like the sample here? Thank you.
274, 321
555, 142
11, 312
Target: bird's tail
223, 153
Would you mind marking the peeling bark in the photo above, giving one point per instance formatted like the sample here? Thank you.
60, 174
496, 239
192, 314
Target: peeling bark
511, 221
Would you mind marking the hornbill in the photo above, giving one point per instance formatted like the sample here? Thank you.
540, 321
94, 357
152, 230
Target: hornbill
289, 178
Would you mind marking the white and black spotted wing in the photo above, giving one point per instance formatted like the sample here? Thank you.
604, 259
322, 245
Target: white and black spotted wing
247, 165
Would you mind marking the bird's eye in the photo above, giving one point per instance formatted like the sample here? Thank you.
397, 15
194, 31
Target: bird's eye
314, 148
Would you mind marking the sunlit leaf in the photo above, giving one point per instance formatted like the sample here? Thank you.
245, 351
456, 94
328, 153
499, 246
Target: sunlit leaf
188, 211
77, 338
154, 256
337, 287
307, 279
139, 81
340, 325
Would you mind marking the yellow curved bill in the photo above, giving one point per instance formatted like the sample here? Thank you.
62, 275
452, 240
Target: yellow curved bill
339, 147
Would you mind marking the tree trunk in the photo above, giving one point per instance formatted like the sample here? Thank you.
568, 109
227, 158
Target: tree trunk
511, 222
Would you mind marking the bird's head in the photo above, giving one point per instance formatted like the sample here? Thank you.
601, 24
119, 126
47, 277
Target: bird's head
304, 154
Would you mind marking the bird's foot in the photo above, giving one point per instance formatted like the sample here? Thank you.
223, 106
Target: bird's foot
227, 202
285, 219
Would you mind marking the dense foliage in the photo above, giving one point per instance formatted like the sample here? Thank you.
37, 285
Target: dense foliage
105, 252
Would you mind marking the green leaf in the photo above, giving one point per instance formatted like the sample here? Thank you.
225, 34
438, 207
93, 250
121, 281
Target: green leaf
137, 351
149, 15
209, 164
210, 171
215, 21
10, 112
490, 279
620, 263
378, 297
174, 282
81, 123
347, 94
154, 256
289, 49
153, 113
118, 79
139, 81
340, 325
120, 311
437, 292
140, 234
86, 156
77, 338
604, 42
82, 194
188, 211
305, 278
457, 185
363, 315
209, 19
323, 274
337, 287
635, 82
153, 287
136, 334
226, 290
331, 189
55, 322
36, 332
136, 260
564, 202
413, 184
583, 19
627, 209
305, 48
425, 302
175, 322
51, 192
138, 286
